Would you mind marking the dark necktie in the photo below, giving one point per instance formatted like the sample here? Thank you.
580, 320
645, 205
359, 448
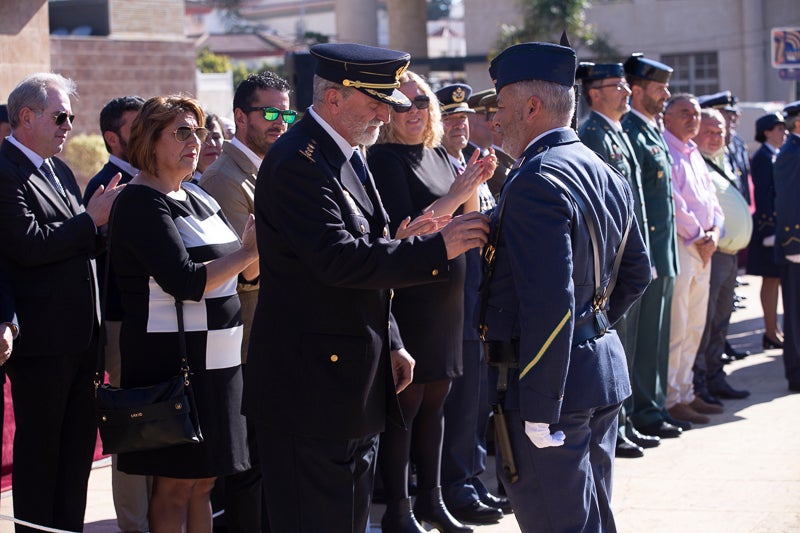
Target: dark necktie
47, 170
358, 166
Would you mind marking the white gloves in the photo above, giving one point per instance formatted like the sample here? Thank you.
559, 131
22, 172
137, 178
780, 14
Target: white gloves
540, 436
769, 241
794, 258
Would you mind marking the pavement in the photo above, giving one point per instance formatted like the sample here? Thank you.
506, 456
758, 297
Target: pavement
740, 473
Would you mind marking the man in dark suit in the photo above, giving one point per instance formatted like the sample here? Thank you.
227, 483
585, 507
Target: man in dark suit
324, 347
606, 91
131, 493
787, 241
51, 239
649, 81
548, 309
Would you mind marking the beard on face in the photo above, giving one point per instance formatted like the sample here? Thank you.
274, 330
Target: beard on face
364, 134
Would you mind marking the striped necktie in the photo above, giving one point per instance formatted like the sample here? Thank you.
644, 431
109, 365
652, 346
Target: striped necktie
48, 172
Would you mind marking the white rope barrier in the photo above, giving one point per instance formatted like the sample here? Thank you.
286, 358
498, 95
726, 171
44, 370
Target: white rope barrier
34, 526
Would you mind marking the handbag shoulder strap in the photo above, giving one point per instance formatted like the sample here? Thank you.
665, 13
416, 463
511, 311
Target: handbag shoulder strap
100, 366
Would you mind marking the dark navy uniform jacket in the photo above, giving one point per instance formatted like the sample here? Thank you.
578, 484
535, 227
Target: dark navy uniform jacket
318, 361
787, 199
543, 279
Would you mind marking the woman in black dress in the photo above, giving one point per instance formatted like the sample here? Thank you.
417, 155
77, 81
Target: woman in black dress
414, 176
770, 132
170, 241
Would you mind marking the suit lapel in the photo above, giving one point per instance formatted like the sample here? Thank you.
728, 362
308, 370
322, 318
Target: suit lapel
327, 148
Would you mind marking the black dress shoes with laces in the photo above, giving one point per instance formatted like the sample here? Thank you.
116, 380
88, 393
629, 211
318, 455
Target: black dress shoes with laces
661, 429
626, 448
477, 513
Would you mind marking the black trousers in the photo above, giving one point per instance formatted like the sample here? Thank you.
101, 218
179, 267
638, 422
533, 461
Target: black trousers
314, 485
55, 436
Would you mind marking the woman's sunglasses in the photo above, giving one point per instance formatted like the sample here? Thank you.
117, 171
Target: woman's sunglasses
271, 113
420, 102
183, 132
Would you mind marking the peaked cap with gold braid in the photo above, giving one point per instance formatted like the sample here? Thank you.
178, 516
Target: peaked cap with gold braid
373, 71
453, 98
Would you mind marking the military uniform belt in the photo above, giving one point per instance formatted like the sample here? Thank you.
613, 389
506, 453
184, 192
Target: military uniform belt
507, 352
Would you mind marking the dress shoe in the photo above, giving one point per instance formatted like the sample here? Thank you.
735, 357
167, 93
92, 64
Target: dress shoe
477, 513
702, 407
769, 344
683, 411
733, 353
710, 398
661, 429
490, 500
429, 508
640, 439
625, 448
794, 386
720, 387
685, 425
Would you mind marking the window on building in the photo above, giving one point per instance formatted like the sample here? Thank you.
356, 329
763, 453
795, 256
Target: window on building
696, 73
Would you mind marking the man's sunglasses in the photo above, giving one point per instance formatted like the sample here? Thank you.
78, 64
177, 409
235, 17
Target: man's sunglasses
62, 117
272, 113
420, 102
184, 132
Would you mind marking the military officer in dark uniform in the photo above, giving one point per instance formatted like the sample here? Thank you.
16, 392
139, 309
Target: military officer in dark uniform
482, 133
323, 349
606, 91
649, 81
466, 409
787, 241
546, 314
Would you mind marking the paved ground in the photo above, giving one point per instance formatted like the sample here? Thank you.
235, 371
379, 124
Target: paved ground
741, 473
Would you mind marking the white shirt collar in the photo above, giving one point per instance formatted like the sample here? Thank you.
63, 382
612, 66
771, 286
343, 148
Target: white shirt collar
251, 155
543, 134
123, 165
346, 148
35, 158
644, 117
615, 125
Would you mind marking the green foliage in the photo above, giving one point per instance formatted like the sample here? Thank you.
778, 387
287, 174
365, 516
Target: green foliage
312, 37
545, 20
208, 61
85, 155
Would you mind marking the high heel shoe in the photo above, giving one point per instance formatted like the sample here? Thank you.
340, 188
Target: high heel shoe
768, 343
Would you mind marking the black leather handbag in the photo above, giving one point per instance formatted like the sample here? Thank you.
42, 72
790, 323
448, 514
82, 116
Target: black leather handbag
152, 417
146, 418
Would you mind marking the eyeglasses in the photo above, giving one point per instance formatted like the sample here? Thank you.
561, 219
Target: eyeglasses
620, 85
183, 132
420, 102
62, 117
272, 113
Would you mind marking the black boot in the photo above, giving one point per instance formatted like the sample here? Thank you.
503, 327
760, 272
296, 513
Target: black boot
398, 518
429, 507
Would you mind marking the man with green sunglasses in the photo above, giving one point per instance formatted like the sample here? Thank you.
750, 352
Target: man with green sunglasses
261, 114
